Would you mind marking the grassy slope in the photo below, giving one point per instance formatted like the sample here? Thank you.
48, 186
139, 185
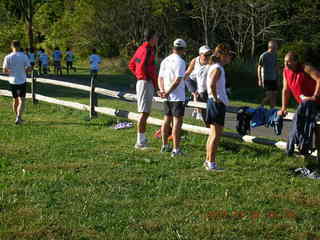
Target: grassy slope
65, 178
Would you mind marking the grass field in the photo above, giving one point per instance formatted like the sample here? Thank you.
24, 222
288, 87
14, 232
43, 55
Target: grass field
62, 177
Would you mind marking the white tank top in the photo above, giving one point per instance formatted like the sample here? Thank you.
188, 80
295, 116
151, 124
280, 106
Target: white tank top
199, 74
221, 84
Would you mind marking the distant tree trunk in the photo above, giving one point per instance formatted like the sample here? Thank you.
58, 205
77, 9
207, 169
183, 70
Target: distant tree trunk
253, 33
30, 24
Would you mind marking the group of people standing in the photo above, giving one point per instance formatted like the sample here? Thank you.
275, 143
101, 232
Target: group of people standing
206, 79
206, 76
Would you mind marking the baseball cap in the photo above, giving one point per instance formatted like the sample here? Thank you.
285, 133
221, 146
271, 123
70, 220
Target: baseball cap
180, 43
204, 49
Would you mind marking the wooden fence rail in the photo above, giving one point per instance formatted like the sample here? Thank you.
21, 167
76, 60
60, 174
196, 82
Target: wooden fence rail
135, 116
153, 121
123, 95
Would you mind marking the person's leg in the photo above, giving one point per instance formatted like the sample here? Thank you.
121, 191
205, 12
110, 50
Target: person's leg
176, 132
267, 99
273, 99
145, 91
142, 123
21, 107
60, 68
15, 104
317, 142
166, 129
216, 131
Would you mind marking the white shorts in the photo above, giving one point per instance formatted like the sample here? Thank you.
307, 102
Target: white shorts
145, 92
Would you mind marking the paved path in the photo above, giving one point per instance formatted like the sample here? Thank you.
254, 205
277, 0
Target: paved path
230, 117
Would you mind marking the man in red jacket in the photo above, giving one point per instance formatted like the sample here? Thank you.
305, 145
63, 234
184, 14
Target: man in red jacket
142, 65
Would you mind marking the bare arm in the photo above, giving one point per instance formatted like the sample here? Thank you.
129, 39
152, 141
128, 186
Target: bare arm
173, 86
213, 80
259, 76
190, 69
161, 84
314, 74
286, 94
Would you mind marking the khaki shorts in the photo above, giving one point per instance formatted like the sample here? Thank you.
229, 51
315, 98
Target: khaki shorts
145, 92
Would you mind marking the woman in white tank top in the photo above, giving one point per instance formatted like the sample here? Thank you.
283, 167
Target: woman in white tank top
218, 99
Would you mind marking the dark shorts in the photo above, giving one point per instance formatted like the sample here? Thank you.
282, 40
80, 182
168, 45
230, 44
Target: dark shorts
216, 112
18, 90
270, 85
57, 64
203, 97
175, 109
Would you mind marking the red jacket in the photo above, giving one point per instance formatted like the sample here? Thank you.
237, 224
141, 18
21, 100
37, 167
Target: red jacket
142, 68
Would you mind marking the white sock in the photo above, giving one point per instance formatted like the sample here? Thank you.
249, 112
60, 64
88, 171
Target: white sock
176, 150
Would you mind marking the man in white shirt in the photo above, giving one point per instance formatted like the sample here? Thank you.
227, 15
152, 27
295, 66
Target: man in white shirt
172, 88
16, 64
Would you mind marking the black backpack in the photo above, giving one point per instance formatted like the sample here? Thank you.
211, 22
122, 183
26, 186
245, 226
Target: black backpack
243, 121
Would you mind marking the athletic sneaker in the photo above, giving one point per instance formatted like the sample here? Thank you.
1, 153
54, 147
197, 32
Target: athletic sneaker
194, 113
165, 149
176, 153
215, 168
142, 145
199, 116
18, 121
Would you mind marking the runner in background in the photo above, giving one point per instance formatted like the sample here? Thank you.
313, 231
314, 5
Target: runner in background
16, 64
69, 58
95, 61
57, 57
44, 61
268, 71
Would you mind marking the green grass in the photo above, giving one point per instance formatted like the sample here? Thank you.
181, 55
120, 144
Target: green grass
62, 177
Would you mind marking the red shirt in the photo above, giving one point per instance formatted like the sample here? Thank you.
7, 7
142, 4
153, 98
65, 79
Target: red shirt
143, 68
300, 83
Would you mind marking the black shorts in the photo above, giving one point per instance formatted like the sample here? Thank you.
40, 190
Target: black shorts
203, 97
57, 64
216, 112
270, 85
175, 109
18, 90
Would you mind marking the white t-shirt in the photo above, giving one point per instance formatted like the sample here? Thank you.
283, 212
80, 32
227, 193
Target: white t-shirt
95, 61
69, 56
221, 84
17, 63
44, 59
171, 68
57, 55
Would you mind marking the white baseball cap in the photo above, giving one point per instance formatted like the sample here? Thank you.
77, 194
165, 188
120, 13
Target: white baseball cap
204, 49
180, 43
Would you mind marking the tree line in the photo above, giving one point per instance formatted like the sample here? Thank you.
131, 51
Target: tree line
115, 27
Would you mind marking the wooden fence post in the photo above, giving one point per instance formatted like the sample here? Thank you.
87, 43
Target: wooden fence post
93, 95
33, 87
